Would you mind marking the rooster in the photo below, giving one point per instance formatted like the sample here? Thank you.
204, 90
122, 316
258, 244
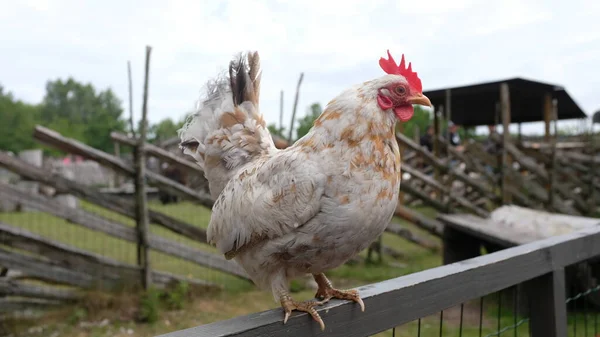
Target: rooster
308, 208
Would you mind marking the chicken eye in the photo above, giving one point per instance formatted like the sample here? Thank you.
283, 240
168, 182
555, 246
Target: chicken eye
400, 90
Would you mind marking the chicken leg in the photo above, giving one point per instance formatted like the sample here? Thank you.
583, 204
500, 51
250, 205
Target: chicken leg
326, 292
289, 305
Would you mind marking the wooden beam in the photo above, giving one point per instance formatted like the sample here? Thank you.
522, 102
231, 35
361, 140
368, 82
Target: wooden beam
430, 225
505, 112
548, 310
141, 199
547, 116
405, 299
10, 305
155, 151
445, 190
405, 233
115, 229
42, 269
116, 204
441, 165
74, 258
553, 162
56, 140
23, 289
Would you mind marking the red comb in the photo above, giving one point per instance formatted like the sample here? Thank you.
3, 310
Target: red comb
390, 67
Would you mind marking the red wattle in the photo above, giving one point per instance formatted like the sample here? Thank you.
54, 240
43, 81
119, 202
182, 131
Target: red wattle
404, 112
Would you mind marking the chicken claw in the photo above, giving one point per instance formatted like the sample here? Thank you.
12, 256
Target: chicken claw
327, 292
289, 305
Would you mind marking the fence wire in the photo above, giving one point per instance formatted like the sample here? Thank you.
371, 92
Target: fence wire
505, 313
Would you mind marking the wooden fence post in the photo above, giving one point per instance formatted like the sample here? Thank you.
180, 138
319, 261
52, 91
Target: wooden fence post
548, 310
140, 184
553, 163
505, 109
593, 173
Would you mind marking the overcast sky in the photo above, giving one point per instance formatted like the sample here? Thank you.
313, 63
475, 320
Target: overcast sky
336, 44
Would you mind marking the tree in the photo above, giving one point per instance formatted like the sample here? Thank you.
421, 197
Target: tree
76, 110
17, 120
274, 130
163, 130
306, 123
420, 120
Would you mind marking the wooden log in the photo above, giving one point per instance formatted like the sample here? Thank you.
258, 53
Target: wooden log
48, 271
551, 169
161, 154
405, 233
445, 190
542, 175
78, 259
392, 252
56, 140
9, 305
112, 228
432, 226
23, 289
505, 112
112, 203
409, 188
141, 199
439, 164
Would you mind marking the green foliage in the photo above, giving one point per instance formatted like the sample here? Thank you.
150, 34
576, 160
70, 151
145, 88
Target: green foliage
150, 306
76, 110
306, 123
420, 120
175, 298
274, 130
17, 120
163, 130
77, 315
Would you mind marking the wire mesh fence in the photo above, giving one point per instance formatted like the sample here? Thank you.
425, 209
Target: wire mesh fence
507, 312
71, 221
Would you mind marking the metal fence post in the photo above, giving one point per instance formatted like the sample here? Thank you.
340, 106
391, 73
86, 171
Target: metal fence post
548, 310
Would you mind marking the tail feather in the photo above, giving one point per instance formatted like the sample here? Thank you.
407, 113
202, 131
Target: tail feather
228, 131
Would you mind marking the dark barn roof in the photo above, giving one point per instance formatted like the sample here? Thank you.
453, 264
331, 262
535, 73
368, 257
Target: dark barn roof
596, 117
475, 105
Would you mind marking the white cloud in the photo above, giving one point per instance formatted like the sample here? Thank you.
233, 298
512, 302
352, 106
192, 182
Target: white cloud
335, 44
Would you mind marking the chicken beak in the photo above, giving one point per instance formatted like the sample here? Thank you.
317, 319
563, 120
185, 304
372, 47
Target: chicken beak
419, 99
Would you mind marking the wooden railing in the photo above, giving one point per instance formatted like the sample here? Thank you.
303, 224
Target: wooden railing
538, 267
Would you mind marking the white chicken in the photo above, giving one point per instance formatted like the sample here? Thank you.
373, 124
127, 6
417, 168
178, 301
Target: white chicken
310, 207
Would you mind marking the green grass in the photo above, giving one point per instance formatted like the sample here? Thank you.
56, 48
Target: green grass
240, 297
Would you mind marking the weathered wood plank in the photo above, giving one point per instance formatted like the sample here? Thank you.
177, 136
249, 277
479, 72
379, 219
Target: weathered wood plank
48, 271
56, 140
402, 232
13, 305
112, 228
401, 300
506, 116
80, 260
548, 310
141, 199
415, 191
113, 203
161, 154
432, 226
23, 289
443, 168
445, 190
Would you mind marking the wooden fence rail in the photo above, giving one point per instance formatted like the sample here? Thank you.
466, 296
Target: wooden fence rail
539, 266
115, 229
116, 204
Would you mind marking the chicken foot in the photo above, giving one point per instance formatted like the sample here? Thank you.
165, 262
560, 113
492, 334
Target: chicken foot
326, 292
289, 305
